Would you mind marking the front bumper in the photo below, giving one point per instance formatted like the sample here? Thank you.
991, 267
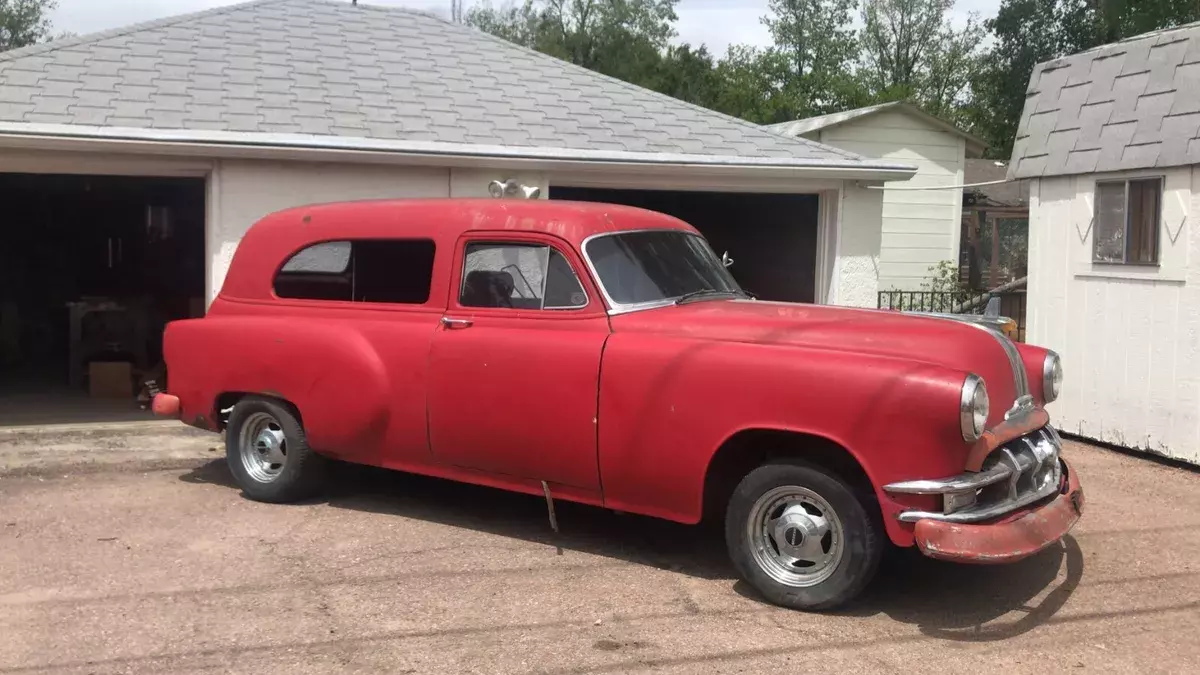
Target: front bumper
1015, 537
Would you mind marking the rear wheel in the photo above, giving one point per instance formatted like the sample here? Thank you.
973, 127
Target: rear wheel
801, 536
268, 453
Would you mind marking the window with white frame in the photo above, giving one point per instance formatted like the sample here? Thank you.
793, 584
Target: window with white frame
1127, 216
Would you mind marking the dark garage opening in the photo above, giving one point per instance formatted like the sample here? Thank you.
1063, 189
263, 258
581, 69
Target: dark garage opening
772, 238
91, 269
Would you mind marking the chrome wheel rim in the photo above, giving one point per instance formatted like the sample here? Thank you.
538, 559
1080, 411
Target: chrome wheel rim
796, 536
263, 447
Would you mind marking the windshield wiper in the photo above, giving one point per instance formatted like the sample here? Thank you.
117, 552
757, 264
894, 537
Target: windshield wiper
705, 292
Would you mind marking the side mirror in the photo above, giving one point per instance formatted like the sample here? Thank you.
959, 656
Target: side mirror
726, 261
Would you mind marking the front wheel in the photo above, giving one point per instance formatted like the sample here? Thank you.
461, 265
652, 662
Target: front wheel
801, 536
268, 453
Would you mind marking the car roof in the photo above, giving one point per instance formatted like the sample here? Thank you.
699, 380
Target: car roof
277, 236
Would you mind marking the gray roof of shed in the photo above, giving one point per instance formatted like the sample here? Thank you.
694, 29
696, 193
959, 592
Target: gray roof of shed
975, 145
1133, 104
334, 70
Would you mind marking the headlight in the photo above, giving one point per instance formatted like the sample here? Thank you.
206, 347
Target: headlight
973, 408
1052, 377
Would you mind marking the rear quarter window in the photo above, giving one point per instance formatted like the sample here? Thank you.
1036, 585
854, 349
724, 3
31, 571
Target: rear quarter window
360, 270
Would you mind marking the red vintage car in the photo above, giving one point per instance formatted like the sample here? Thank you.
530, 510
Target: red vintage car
605, 355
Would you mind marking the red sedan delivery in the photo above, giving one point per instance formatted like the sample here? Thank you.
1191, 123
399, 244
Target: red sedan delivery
604, 355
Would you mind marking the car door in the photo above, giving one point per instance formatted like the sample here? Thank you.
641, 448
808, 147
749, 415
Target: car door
515, 366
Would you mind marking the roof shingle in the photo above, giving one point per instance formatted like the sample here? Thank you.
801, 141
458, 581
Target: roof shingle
323, 68
1134, 105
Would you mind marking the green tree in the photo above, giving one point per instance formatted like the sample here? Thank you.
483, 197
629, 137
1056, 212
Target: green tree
626, 39
812, 58
24, 22
621, 38
1025, 33
750, 85
910, 51
1118, 19
687, 74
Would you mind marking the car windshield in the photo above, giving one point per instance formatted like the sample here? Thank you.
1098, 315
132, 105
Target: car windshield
654, 266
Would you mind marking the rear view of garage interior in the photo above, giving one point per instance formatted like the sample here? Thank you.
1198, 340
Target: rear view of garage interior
772, 238
91, 269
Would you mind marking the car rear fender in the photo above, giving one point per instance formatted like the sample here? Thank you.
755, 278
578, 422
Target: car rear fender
327, 370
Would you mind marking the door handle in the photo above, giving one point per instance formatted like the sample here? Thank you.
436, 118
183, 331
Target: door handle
454, 324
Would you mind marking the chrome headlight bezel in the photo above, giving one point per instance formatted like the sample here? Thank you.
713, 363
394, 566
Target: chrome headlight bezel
1052, 376
973, 408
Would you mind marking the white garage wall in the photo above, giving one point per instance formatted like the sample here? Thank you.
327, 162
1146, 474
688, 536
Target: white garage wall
1129, 336
473, 183
243, 191
920, 227
856, 261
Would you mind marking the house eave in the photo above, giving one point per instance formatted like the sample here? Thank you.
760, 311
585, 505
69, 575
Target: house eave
299, 147
974, 146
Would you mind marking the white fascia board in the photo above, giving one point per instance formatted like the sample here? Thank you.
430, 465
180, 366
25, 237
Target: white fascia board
299, 147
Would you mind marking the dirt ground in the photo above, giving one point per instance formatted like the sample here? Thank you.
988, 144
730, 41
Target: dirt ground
156, 564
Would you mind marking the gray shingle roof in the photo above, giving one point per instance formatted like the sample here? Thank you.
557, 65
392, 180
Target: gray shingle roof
975, 145
1012, 193
1130, 105
331, 69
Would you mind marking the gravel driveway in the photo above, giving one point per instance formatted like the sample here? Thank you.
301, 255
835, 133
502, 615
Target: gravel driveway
157, 564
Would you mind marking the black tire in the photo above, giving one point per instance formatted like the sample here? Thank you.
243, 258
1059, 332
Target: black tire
862, 541
302, 474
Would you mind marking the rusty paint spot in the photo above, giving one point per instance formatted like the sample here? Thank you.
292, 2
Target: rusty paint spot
306, 219
1006, 541
200, 422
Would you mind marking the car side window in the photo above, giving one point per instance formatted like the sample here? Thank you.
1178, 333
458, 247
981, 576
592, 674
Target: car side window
519, 276
360, 270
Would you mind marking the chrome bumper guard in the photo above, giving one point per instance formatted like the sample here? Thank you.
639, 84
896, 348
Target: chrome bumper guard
1019, 473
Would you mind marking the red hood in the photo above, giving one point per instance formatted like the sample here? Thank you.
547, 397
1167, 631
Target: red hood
931, 340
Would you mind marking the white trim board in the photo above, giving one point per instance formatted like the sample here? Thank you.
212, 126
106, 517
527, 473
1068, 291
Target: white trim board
223, 144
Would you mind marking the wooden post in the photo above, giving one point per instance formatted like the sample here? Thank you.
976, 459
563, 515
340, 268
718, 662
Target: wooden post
994, 268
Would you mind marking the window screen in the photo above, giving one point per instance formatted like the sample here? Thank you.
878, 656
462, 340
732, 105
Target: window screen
367, 270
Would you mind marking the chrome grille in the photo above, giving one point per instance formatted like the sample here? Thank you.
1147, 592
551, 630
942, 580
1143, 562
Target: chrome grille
1029, 466
1019, 473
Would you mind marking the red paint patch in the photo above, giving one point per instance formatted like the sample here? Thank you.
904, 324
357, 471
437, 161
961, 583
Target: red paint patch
165, 405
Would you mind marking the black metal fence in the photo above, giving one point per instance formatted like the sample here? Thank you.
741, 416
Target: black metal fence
1012, 303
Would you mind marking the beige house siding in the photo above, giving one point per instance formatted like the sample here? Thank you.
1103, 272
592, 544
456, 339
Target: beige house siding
1129, 336
920, 228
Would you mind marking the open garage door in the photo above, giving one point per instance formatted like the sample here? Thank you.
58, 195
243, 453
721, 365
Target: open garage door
772, 238
91, 269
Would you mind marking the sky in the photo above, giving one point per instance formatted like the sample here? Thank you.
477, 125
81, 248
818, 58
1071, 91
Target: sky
716, 23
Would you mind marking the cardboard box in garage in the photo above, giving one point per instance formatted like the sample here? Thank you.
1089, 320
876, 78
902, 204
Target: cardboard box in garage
110, 379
